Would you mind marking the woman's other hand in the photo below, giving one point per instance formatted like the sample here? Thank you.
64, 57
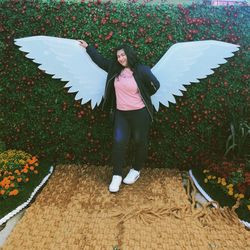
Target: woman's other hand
83, 43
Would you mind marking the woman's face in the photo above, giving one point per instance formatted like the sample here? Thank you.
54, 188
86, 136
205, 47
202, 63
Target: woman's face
122, 58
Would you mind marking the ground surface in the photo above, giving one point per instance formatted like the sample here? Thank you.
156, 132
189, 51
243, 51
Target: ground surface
76, 211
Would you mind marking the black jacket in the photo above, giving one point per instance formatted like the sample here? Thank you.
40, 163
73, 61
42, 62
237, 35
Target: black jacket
146, 81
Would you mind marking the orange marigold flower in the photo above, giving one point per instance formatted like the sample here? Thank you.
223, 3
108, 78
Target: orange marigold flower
2, 192
12, 185
6, 181
27, 179
12, 177
7, 186
15, 192
32, 168
25, 170
32, 161
36, 171
19, 179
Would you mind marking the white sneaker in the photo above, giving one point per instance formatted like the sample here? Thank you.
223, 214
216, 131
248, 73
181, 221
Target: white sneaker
115, 183
132, 176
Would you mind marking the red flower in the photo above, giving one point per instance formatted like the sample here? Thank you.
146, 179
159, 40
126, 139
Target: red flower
115, 20
108, 37
103, 21
170, 37
193, 31
246, 77
149, 39
87, 33
141, 30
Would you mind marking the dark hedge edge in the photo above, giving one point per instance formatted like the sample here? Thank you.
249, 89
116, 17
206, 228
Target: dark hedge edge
218, 195
11, 203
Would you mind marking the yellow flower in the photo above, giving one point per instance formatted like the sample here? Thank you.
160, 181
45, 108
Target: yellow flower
213, 177
241, 196
22, 162
230, 186
223, 183
236, 195
219, 180
205, 171
209, 177
205, 180
230, 192
248, 206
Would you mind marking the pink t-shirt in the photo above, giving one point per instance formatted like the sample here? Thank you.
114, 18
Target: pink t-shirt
127, 92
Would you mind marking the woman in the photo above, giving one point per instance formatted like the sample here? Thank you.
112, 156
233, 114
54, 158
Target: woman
128, 90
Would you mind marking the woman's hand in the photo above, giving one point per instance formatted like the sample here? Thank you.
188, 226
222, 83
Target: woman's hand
83, 43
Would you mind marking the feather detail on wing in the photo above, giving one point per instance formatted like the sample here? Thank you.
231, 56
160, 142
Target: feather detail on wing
186, 63
65, 59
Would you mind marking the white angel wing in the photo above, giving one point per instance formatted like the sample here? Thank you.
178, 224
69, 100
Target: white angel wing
185, 63
66, 60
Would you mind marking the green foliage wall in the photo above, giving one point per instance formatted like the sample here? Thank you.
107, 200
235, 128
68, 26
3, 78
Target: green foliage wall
39, 116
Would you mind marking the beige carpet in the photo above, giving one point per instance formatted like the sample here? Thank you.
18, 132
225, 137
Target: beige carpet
76, 211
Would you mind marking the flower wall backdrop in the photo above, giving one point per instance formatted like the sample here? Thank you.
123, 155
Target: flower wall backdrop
37, 114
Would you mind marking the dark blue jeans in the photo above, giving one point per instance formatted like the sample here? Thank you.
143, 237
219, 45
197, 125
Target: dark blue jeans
135, 124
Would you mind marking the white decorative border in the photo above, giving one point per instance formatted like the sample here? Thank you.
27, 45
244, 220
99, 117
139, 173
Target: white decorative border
22, 206
207, 197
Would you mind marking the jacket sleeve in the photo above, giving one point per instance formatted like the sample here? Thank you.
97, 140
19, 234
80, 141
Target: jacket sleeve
152, 83
98, 59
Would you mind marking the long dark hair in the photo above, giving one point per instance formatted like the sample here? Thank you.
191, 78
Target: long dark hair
131, 57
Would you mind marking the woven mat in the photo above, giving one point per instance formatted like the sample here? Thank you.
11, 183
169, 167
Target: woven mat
76, 211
